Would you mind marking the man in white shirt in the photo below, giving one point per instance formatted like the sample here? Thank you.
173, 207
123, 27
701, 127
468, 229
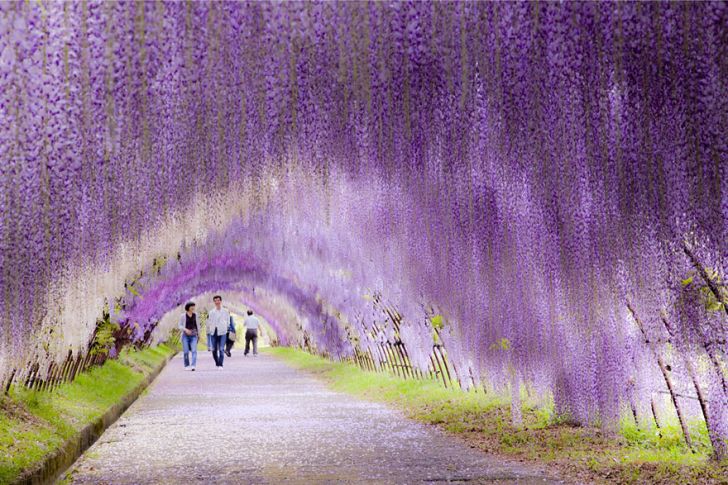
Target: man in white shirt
251, 332
217, 323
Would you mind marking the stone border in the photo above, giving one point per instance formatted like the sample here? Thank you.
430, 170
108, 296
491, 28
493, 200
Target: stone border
61, 459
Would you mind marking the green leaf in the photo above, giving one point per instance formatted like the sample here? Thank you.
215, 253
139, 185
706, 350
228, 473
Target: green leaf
714, 306
437, 322
712, 274
501, 344
687, 281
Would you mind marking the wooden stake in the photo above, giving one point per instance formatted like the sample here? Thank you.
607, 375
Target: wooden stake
665, 375
9, 382
654, 416
704, 274
716, 442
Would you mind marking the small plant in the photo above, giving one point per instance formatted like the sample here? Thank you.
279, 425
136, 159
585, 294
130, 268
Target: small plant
704, 293
104, 336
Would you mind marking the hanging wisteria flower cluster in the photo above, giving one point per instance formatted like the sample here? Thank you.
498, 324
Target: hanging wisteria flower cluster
541, 189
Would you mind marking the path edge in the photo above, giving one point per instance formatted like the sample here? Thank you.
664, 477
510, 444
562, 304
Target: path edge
57, 462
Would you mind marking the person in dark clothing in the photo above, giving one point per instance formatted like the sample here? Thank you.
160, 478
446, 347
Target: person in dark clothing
231, 336
190, 332
251, 333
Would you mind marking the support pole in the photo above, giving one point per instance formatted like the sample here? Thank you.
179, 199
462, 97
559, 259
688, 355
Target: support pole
665, 375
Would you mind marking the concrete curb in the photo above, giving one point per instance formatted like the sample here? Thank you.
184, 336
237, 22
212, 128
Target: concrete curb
60, 460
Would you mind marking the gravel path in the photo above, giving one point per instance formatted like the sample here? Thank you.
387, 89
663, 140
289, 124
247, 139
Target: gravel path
260, 421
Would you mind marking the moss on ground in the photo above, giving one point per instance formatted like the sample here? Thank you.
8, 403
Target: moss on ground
34, 424
583, 453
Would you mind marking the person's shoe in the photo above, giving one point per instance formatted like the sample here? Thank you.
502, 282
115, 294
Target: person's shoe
245, 354
219, 368
227, 352
192, 368
187, 367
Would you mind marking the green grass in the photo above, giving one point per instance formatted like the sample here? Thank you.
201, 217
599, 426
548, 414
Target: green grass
631, 455
34, 424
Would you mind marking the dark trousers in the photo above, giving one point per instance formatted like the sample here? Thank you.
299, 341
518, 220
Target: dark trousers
229, 345
251, 334
218, 348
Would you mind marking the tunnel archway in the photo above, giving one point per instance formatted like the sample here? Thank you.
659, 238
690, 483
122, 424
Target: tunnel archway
479, 176
237, 303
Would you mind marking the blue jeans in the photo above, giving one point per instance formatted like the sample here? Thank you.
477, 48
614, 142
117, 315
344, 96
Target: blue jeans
189, 342
218, 348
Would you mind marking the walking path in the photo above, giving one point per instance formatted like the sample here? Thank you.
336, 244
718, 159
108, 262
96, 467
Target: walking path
260, 421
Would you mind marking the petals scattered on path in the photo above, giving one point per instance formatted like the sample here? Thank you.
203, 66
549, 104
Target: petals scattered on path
260, 421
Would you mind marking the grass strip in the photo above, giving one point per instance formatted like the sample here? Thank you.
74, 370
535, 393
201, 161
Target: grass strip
582, 453
35, 424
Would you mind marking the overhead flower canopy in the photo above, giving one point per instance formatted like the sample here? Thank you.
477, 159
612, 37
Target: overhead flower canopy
549, 175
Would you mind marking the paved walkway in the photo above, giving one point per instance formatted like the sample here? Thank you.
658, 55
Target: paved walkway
260, 421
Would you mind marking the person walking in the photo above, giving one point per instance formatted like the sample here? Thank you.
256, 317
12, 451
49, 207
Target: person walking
207, 331
251, 332
217, 323
231, 337
190, 332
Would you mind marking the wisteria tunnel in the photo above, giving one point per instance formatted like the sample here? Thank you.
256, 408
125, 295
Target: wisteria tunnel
500, 196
